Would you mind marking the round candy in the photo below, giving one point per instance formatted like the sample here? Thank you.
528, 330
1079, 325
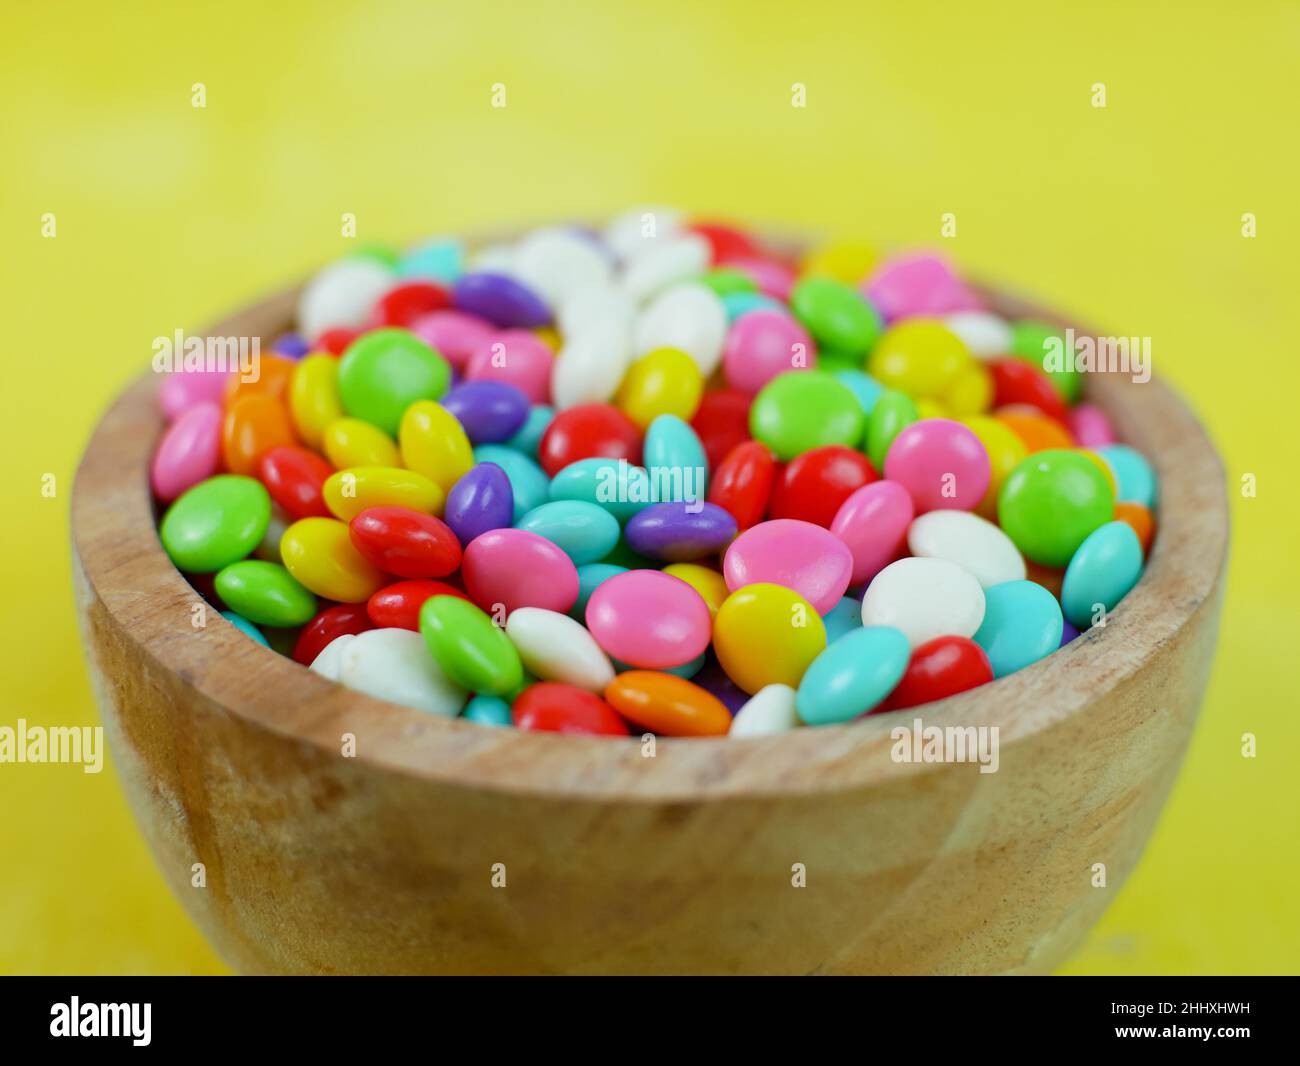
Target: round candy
501, 300
1036, 431
408, 301
295, 479
1135, 476
554, 647
985, 334
918, 284
689, 317
664, 381
680, 532
873, 524
586, 431
710, 584
649, 619
1018, 382
489, 411
253, 425
852, 675
1005, 451
1140, 519
387, 370
925, 598
667, 705
612, 484
351, 442
762, 344
1022, 623
657, 264
342, 295
264, 593
1103, 570
556, 261
891, 414
487, 710
675, 460
553, 707
246, 627
514, 568
591, 362
769, 711
517, 358
528, 484
349, 492
393, 665
481, 500
405, 542
320, 554
970, 542
530, 433
1037, 342
844, 617
866, 388
812, 486
767, 634
742, 483
327, 662
590, 578
182, 389
844, 260
721, 422
469, 647
795, 412
941, 463
216, 523
1051, 502
434, 444
836, 315
921, 357
189, 452
454, 335
397, 606
587, 533
1090, 426
938, 669
332, 622
270, 378
799, 555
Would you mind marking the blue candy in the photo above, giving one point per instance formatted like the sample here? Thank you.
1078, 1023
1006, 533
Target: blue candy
590, 577
244, 625
487, 710
442, 259
866, 388
586, 533
1103, 569
852, 675
1133, 474
530, 434
1022, 623
619, 487
843, 618
739, 303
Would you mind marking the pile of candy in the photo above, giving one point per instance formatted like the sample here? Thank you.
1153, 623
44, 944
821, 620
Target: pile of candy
656, 479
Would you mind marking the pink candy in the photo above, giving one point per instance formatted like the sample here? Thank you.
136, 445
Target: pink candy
510, 568
514, 357
941, 464
762, 344
453, 334
1090, 426
649, 619
799, 555
918, 285
873, 523
772, 279
182, 389
189, 452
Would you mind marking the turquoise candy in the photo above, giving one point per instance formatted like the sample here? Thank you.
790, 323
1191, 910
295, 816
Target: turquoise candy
615, 485
843, 618
246, 627
528, 481
1135, 478
852, 675
866, 388
739, 303
1022, 623
530, 433
487, 710
590, 577
675, 460
585, 532
441, 259
1105, 566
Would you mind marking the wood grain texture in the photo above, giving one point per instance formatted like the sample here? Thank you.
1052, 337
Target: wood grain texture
617, 863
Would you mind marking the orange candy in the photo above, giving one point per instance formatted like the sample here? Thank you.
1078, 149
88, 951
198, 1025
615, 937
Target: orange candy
1047, 576
668, 705
1038, 432
1137, 516
274, 372
254, 424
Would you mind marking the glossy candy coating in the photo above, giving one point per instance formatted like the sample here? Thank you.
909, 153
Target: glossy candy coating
393, 665
295, 478
938, 669
974, 544
517, 358
501, 300
663, 381
349, 492
721, 422
766, 634
434, 443
319, 553
649, 619
799, 555
873, 522
1101, 573
762, 344
892, 413
351, 442
215, 523
332, 622
265, 593
488, 411
1022, 624
1051, 502
516, 568
925, 598
813, 486
680, 532
586, 431
809, 409
405, 542
314, 397
852, 675
1134, 474
742, 483
585, 532
769, 711
469, 647
253, 425
667, 705
189, 452
553, 647
481, 500
941, 464
397, 606
554, 707
835, 314
384, 372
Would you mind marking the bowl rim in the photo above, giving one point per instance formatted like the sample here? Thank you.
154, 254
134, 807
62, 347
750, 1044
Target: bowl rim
115, 541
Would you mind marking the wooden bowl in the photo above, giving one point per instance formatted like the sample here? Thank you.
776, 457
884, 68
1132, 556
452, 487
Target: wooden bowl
614, 862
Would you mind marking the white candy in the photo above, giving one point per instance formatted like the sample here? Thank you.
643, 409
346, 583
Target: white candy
342, 295
925, 598
986, 335
590, 303
633, 230
493, 259
556, 648
591, 363
969, 541
688, 316
395, 665
665, 263
770, 710
328, 658
555, 262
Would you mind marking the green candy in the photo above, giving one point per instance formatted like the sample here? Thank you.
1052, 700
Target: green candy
384, 372
1031, 341
216, 523
380, 253
469, 647
893, 412
831, 361
836, 315
265, 593
725, 281
1051, 501
804, 409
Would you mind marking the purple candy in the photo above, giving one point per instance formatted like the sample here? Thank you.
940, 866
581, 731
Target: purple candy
291, 346
490, 411
501, 300
1068, 633
712, 678
680, 532
480, 501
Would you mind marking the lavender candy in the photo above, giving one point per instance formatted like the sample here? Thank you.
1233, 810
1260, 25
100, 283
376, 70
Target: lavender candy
489, 411
482, 500
680, 532
501, 300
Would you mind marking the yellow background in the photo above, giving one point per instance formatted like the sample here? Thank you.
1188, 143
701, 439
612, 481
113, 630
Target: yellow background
168, 216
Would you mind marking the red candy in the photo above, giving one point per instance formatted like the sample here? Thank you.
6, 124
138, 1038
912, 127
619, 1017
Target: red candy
726, 242
336, 341
721, 422
939, 668
812, 486
294, 476
587, 431
552, 707
403, 304
404, 542
1016, 381
742, 482
338, 621
397, 606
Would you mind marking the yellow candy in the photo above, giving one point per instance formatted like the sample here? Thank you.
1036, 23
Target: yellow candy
1005, 449
550, 337
434, 444
971, 390
349, 492
1103, 466
665, 381
711, 585
352, 442
931, 409
921, 357
314, 397
767, 634
846, 261
319, 553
